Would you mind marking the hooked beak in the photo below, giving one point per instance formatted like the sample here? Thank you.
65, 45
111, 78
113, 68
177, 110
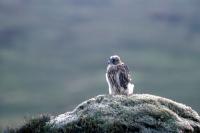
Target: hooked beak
108, 61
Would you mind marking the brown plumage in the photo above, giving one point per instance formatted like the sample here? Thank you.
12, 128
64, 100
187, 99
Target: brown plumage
118, 77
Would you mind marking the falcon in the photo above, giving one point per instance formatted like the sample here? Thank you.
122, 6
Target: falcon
118, 77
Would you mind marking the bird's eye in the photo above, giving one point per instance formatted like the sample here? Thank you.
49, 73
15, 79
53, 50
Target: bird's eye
113, 60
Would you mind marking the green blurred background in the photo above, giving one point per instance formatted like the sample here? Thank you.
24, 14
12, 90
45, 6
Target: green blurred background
53, 53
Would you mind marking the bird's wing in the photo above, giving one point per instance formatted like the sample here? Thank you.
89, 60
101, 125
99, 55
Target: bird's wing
124, 77
128, 72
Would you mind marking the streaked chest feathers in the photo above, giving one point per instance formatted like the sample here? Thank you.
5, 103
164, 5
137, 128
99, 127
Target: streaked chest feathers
118, 77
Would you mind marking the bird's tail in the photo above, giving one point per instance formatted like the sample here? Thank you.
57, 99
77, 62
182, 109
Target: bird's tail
130, 88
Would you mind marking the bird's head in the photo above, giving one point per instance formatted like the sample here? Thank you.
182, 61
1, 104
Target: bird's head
114, 60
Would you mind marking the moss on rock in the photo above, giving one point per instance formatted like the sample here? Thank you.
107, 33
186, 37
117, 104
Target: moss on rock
136, 113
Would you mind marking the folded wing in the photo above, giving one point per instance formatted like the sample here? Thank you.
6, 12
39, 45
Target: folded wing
124, 77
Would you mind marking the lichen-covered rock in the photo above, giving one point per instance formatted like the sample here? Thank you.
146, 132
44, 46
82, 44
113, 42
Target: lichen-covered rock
105, 113
136, 113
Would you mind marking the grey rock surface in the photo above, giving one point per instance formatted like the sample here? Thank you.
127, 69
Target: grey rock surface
140, 113
136, 113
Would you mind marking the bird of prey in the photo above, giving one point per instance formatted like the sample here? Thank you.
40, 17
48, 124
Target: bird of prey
118, 77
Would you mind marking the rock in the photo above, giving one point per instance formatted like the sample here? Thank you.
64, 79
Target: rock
136, 113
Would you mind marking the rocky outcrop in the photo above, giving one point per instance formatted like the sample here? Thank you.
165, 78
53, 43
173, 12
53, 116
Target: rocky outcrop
136, 113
